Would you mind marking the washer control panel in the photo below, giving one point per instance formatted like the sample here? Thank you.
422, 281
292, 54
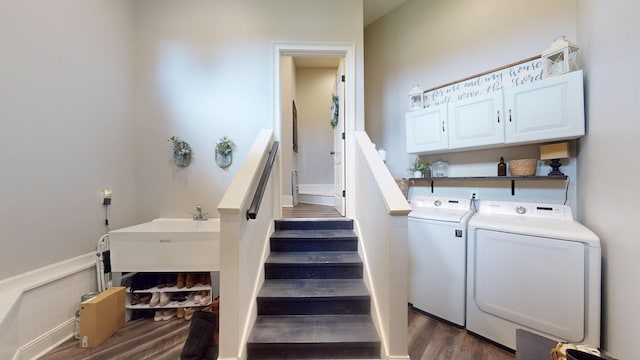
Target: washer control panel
441, 203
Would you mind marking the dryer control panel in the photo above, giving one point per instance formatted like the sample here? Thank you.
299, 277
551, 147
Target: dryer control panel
551, 211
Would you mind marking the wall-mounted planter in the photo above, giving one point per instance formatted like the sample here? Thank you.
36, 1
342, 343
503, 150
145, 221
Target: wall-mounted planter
224, 160
224, 152
181, 152
182, 160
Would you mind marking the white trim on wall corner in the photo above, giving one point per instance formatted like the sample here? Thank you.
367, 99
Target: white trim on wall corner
61, 284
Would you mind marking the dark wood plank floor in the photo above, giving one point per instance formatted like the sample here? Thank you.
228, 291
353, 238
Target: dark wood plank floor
139, 339
309, 211
432, 339
144, 339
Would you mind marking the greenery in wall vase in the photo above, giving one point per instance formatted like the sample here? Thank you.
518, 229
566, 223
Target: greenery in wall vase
418, 168
335, 110
224, 152
181, 151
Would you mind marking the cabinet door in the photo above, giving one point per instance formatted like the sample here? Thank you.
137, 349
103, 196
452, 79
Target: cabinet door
426, 129
478, 121
550, 109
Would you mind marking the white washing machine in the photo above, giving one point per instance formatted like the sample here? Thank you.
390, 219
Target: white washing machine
437, 235
531, 266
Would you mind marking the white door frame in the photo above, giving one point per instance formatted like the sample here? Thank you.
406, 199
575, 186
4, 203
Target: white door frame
345, 50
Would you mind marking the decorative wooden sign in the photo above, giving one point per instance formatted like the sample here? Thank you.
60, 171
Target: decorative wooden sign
519, 73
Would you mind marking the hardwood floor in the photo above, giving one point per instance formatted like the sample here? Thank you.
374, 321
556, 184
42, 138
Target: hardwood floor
142, 339
310, 211
432, 339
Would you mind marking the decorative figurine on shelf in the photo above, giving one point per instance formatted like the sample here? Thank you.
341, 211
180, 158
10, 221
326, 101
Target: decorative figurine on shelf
418, 168
224, 152
416, 100
561, 57
181, 151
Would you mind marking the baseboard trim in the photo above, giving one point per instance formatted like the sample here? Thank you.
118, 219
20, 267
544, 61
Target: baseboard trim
46, 342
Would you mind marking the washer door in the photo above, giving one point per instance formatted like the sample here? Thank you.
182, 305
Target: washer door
437, 269
531, 281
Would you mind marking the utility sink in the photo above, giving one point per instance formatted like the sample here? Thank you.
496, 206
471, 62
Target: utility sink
167, 245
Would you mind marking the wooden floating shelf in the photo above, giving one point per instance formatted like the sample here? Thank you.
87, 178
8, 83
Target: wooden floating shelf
487, 178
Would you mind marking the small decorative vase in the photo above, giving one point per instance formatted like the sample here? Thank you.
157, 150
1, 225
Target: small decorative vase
223, 160
182, 160
417, 174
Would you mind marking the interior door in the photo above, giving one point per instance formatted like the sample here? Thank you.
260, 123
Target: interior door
339, 143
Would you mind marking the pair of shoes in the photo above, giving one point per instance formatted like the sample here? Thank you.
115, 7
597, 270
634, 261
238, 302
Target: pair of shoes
213, 307
140, 298
169, 314
189, 311
191, 279
155, 299
202, 298
180, 280
166, 280
188, 298
180, 312
164, 299
164, 314
205, 278
159, 298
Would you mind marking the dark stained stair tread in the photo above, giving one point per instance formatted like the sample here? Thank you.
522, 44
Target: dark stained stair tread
313, 288
311, 224
311, 329
314, 257
320, 235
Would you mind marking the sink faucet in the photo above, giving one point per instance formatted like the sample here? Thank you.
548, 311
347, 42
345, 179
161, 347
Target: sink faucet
199, 216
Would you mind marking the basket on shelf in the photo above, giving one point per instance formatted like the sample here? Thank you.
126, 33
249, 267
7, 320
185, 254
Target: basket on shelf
523, 167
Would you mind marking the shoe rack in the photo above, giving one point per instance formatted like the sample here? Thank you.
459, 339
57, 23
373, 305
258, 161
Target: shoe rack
182, 294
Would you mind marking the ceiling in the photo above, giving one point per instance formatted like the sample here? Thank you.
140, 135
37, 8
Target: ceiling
373, 10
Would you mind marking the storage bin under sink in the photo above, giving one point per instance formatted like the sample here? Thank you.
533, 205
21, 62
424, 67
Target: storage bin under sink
166, 245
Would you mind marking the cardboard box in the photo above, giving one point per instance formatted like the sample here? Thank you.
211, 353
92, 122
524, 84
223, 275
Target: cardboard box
101, 317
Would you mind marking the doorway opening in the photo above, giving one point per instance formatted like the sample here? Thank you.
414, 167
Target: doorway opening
311, 119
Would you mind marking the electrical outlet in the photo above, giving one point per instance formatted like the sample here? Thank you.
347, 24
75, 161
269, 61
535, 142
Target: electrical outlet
474, 195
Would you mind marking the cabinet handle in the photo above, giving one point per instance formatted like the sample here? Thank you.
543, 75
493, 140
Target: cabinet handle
509, 115
498, 116
443, 126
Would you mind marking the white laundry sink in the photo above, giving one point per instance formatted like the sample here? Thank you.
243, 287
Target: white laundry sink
167, 245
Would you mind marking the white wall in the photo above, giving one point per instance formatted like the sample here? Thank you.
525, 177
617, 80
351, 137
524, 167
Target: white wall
67, 128
609, 175
204, 70
314, 87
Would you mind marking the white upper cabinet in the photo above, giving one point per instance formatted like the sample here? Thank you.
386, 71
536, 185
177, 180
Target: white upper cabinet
426, 129
550, 109
476, 122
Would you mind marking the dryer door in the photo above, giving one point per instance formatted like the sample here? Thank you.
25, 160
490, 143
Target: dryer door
531, 281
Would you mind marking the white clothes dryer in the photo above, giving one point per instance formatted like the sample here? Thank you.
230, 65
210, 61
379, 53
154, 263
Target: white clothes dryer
531, 266
437, 229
